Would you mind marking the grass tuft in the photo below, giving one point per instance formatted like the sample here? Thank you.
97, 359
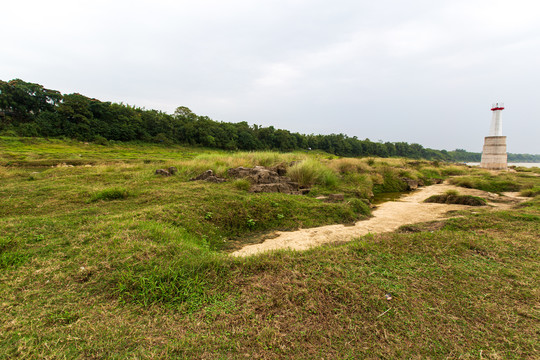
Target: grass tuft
110, 194
532, 192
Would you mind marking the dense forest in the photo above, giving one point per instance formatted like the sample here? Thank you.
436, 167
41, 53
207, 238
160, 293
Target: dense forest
28, 109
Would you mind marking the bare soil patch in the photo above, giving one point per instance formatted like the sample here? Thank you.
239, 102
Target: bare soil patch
388, 217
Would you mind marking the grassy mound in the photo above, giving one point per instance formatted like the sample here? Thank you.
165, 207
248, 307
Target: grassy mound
491, 183
453, 197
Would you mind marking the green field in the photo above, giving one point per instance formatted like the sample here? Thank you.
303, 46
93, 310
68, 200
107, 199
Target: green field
100, 258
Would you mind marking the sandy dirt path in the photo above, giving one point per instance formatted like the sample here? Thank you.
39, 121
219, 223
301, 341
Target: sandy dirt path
389, 216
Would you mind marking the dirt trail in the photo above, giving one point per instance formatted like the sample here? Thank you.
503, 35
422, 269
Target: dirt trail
387, 217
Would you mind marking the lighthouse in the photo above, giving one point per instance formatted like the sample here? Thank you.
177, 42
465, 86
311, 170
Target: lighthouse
494, 152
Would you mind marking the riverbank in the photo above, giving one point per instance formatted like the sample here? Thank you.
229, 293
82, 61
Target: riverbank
527, 165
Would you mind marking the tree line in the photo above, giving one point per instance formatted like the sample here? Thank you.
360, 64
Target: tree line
28, 109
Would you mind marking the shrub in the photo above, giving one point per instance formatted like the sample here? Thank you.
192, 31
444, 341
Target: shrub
100, 140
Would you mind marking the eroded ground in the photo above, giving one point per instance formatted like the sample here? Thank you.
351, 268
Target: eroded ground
387, 217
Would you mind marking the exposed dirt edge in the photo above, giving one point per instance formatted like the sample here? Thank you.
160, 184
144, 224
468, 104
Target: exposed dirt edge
388, 217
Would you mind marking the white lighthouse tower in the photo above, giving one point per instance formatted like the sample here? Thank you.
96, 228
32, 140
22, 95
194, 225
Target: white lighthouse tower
494, 155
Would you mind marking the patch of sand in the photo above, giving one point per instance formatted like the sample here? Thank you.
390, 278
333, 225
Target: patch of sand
387, 217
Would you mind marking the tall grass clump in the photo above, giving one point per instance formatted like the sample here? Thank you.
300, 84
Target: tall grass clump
531, 192
390, 182
359, 185
429, 173
454, 170
349, 166
110, 194
310, 172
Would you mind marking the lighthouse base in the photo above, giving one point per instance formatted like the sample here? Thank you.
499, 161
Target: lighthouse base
494, 153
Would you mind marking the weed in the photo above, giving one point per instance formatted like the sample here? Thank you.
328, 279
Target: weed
11, 256
64, 317
250, 223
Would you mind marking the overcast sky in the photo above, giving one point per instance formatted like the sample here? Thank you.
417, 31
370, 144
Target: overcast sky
421, 71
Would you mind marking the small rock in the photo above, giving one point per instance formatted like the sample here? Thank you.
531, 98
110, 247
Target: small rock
280, 169
208, 175
162, 172
411, 184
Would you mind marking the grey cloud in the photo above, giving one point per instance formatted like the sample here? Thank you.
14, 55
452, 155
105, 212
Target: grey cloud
416, 71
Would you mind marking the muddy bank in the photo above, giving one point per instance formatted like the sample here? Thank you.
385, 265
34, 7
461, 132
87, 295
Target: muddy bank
387, 217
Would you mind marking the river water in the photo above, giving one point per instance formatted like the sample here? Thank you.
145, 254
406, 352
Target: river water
528, 165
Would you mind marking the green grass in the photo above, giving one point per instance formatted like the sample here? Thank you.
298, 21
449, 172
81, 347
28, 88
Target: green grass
148, 275
491, 183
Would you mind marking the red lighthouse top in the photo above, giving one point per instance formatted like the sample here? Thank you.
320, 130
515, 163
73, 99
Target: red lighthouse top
497, 106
